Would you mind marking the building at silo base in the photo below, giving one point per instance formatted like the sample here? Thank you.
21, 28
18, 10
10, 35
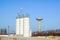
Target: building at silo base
3, 31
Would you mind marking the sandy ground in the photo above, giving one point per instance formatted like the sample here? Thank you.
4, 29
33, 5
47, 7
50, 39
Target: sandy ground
14, 37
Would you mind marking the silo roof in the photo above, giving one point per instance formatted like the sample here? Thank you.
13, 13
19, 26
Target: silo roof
19, 16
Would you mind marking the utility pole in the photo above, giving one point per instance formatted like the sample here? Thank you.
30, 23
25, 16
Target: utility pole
8, 32
8, 29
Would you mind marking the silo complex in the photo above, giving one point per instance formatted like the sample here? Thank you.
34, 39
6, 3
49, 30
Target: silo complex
23, 26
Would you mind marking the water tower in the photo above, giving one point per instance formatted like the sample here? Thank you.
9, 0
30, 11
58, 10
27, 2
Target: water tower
39, 19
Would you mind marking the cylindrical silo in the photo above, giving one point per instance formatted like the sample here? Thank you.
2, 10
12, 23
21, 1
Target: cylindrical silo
26, 27
19, 26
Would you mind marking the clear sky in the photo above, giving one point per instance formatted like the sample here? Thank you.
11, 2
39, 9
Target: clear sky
49, 10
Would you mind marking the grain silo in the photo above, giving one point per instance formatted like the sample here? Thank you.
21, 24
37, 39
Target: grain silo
19, 25
26, 26
23, 26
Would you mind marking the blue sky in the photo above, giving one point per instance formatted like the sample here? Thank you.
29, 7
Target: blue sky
49, 10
